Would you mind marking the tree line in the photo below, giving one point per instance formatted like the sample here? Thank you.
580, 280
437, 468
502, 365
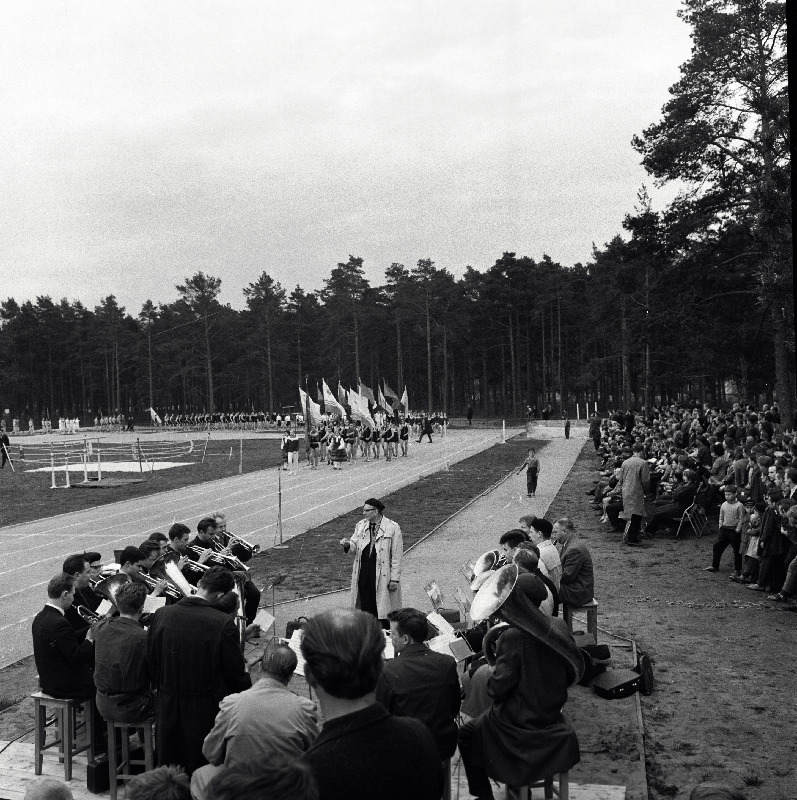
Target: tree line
691, 301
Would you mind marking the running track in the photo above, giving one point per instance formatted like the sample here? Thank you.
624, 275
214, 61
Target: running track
33, 552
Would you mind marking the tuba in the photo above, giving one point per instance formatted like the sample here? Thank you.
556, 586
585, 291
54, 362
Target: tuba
108, 587
487, 562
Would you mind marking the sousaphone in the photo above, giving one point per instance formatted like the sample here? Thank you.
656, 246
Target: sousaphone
495, 589
486, 563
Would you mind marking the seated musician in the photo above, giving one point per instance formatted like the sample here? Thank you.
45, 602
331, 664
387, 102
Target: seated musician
523, 735
179, 535
78, 568
161, 539
251, 592
265, 723
419, 682
120, 670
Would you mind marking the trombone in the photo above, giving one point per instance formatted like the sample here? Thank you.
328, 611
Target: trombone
245, 549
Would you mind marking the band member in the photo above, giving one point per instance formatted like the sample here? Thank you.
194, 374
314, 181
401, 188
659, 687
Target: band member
194, 654
377, 546
251, 592
78, 568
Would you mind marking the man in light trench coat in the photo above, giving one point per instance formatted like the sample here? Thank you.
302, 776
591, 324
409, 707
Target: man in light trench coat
634, 482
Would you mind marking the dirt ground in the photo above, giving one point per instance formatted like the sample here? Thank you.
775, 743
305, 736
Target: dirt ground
723, 707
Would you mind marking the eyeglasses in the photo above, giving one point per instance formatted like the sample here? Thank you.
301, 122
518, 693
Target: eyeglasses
366, 510
95, 566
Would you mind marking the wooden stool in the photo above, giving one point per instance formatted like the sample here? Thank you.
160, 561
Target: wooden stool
524, 792
591, 610
66, 711
121, 771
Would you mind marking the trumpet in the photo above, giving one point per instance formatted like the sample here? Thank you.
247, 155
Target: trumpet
87, 614
242, 549
218, 559
151, 582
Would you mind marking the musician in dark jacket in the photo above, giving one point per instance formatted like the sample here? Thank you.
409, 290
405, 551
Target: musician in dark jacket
420, 683
524, 737
194, 656
362, 752
63, 662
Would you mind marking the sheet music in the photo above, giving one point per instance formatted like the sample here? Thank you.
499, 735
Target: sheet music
152, 604
264, 620
295, 643
104, 607
440, 644
441, 623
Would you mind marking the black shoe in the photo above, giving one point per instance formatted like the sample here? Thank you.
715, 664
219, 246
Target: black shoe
635, 544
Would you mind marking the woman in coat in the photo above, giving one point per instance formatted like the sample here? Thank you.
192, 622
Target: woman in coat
377, 546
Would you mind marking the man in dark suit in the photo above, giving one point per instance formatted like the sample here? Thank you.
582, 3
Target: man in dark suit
420, 683
362, 752
63, 662
194, 656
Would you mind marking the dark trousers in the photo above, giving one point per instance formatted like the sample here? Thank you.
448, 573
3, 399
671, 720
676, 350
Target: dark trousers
425, 433
664, 514
531, 482
725, 537
478, 782
632, 528
251, 601
596, 440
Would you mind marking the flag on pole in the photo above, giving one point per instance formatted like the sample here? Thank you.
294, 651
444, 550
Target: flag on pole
359, 409
154, 416
405, 402
331, 405
309, 407
366, 392
382, 402
391, 395
342, 396
319, 395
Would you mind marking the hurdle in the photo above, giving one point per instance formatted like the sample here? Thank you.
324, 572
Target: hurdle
54, 483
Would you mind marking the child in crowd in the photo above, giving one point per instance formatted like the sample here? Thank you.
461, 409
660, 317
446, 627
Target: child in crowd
751, 536
732, 518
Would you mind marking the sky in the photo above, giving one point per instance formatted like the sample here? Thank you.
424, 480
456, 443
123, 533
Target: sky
143, 142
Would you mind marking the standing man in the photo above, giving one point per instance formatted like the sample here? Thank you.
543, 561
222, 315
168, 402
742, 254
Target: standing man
595, 431
5, 445
470, 416
567, 426
194, 656
420, 683
426, 430
633, 483
532, 464
378, 547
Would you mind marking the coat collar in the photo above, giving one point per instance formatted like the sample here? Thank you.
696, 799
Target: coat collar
350, 723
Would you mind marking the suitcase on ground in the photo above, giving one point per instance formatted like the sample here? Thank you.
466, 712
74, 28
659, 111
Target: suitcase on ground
616, 683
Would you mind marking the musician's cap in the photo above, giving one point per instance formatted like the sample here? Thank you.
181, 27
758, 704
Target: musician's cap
377, 504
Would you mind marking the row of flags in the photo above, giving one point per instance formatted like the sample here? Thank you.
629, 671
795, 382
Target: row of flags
387, 401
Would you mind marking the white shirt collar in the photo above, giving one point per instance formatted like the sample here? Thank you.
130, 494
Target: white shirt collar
56, 607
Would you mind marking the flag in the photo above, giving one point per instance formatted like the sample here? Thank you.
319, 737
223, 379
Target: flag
382, 402
319, 395
342, 397
331, 405
310, 408
359, 409
154, 416
391, 395
366, 392
405, 402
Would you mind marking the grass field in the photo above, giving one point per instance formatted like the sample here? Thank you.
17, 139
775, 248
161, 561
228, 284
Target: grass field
27, 495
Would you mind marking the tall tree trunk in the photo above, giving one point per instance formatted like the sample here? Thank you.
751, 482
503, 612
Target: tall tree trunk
544, 371
503, 381
356, 343
428, 358
624, 358
512, 361
299, 352
562, 403
118, 377
445, 368
209, 362
483, 394
149, 361
269, 366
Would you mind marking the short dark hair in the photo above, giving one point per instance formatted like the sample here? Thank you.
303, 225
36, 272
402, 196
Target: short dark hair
205, 523
59, 584
149, 547
343, 651
513, 538
279, 660
162, 783
410, 622
131, 555
75, 564
285, 780
217, 579
178, 530
91, 556
159, 537
130, 597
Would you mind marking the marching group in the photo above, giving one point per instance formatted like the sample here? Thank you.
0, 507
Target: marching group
675, 468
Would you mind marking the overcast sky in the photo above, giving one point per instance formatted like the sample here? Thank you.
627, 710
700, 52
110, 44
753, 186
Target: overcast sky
145, 141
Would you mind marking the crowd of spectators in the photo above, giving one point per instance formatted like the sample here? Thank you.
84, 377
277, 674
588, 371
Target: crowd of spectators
734, 472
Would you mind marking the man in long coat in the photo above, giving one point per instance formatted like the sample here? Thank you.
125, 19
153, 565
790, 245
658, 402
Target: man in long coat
194, 655
634, 482
377, 546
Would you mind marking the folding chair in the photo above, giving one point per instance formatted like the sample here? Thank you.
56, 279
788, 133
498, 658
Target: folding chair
695, 516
